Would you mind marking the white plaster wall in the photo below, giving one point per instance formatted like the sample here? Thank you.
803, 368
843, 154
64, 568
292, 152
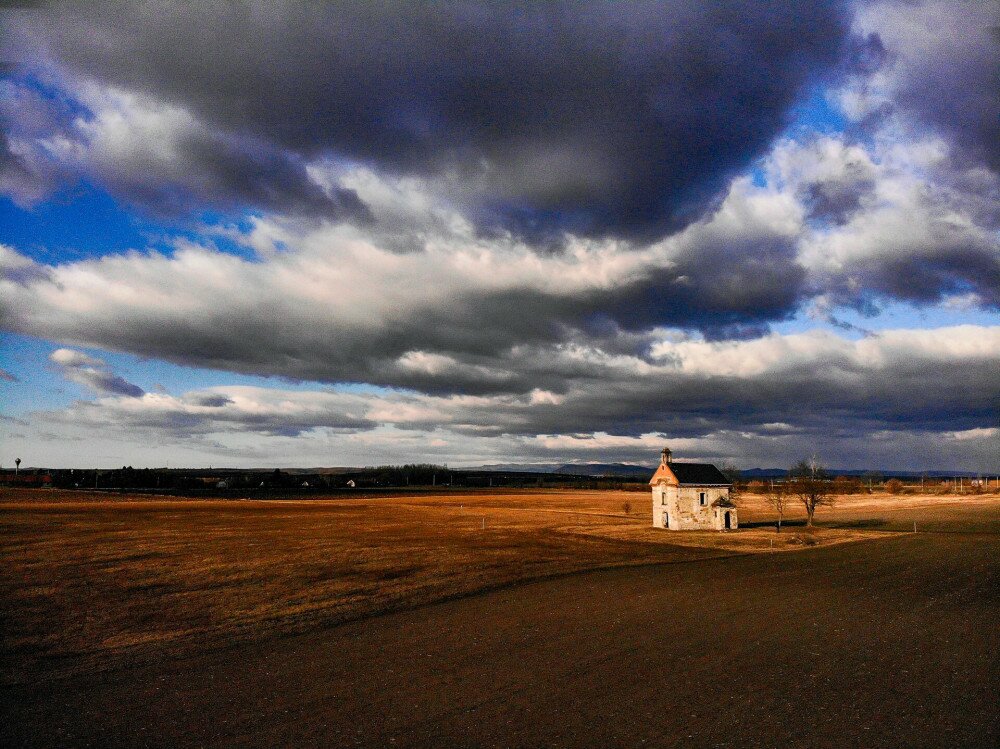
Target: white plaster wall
663, 498
685, 511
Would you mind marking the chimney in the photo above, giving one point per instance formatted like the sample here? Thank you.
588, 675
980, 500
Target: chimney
666, 456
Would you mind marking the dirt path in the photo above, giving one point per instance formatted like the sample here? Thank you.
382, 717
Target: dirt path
891, 643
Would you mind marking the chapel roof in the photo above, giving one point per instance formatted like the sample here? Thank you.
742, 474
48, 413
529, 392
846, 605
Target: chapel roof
691, 474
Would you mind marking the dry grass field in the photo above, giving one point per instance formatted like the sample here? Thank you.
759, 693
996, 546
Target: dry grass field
88, 581
159, 622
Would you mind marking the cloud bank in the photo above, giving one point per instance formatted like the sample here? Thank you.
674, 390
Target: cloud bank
551, 118
553, 227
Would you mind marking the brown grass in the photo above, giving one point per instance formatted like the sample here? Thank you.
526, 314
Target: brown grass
88, 580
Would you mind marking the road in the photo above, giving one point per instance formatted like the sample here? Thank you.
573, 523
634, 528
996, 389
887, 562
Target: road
888, 643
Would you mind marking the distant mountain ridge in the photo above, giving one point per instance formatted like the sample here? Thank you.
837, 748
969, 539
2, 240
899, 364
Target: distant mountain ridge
572, 469
605, 469
631, 470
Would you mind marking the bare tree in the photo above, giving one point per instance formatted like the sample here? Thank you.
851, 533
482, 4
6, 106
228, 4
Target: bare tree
735, 475
778, 498
810, 483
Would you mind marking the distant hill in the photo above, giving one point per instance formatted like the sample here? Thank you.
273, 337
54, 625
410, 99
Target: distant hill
631, 470
626, 470
605, 469
773, 473
516, 467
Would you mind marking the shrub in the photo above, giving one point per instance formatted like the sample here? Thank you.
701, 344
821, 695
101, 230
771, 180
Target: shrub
894, 486
848, 485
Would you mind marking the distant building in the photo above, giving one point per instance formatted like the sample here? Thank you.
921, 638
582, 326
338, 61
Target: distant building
691, 496
27, 477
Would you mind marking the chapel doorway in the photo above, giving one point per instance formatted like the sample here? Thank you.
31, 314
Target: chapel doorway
728, 523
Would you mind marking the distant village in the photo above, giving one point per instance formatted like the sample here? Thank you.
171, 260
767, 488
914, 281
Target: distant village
257, 482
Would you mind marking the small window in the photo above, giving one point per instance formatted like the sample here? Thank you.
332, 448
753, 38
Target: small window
701, 499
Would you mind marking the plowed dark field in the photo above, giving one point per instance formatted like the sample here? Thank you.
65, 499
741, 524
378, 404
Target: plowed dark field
880, 643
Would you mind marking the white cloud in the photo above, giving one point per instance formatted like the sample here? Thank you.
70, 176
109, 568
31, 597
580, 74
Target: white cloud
92, 373
70, 358
822, 349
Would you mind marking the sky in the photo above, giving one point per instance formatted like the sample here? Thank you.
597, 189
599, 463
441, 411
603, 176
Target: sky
304, 234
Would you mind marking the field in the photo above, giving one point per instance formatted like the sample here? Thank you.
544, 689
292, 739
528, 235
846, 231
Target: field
125, 602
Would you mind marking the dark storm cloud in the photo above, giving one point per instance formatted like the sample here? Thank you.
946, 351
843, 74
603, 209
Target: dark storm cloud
270, 413
729, 289
783, 392
825, 394
942, 239
93, 374
227, 172
28, 173
931, 276
15, 179
106, 382
150, 156
950, 80
597, 118
102, 381
496, 342
836, 201
210, 400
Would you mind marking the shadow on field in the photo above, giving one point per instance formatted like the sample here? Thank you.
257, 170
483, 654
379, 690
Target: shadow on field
860, 523
774, 524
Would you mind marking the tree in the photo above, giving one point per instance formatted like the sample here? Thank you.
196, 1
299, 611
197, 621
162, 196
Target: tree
871, 478
810, 483
778, 498
894, 486
735, 475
